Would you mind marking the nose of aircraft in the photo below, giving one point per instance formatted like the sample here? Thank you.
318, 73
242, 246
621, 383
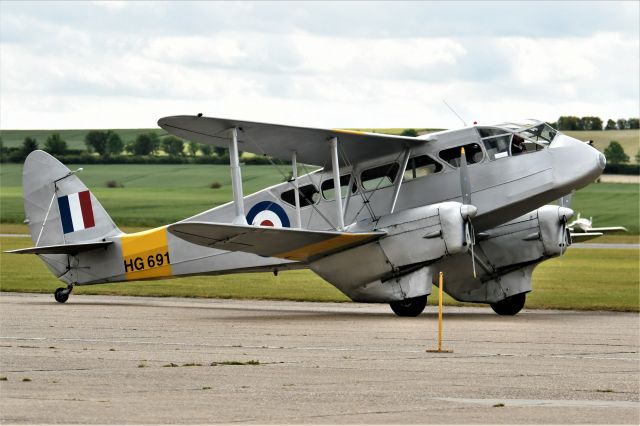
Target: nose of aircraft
575, 163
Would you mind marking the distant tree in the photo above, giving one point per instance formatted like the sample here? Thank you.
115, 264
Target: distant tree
633, 123
192, 147
611, 125
173, 146
409, 132
221, 152
622, 124
114, 144
615, 153
206, 150
591, 123
96, 140
638, 157
569, 122
144, 144
55, 145
29, 145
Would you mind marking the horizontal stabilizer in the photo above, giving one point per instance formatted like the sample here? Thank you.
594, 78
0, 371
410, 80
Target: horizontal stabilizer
585, 236
62, 248
284, 243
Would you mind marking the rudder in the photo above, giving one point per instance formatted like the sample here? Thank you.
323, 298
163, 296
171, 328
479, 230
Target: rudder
60, 209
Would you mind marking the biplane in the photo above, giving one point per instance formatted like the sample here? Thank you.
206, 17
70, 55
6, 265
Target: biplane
379, 218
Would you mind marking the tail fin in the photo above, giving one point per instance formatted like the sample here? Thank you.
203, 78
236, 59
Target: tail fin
59, 208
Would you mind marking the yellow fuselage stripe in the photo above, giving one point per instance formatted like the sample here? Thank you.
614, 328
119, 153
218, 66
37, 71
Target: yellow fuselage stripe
304, 253
146, 254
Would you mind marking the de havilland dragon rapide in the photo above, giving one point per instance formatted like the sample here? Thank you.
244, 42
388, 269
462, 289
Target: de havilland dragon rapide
380, 218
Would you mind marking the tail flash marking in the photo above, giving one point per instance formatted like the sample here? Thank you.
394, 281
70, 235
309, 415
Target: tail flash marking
76, 212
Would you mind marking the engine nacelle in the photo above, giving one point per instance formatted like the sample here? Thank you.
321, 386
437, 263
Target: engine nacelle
507, 256
396, 266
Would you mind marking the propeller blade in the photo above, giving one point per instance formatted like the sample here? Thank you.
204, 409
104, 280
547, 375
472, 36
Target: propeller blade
470, 235
465, 183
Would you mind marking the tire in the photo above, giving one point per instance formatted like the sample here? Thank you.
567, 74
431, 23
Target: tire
61, 295
409, 307
511, 305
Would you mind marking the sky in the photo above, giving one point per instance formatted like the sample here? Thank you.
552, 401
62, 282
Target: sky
67, 65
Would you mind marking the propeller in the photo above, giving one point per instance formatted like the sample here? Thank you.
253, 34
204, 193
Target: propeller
467, 210
564, 214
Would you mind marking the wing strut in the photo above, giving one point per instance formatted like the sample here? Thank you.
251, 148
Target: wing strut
236, 178
294, 175
336, 182
396, 191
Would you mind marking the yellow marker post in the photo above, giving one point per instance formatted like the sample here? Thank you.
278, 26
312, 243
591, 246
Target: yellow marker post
440, 350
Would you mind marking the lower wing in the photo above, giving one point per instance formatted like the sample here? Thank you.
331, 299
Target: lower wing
284, 243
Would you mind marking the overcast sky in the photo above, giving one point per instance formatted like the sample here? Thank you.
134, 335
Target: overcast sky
362, 64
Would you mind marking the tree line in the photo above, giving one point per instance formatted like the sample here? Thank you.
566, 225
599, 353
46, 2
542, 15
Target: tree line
570, 122
106, 146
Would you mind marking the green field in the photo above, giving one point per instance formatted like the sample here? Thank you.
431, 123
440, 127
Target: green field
591, 279
152, 194
629, 139
158, 194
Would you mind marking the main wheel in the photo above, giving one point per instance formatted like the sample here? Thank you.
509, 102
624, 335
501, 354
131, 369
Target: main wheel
409, 307
61, 294
511, 305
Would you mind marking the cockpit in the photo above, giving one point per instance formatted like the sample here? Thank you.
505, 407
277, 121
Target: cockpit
510, 139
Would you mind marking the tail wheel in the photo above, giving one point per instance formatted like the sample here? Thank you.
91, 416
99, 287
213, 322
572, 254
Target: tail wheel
409, 307
61, 294
511, 305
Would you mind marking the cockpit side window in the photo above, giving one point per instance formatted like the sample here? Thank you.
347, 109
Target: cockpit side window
309, 195
496, 141
420, 166
473, 154
379, 177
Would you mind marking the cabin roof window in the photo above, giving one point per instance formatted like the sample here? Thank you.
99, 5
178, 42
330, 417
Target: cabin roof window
379, 177
309, 195
327, 187
473, 154
420, 166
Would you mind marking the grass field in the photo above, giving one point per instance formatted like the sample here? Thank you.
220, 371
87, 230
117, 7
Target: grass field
158, 194
592, 279
629, 139
152, 194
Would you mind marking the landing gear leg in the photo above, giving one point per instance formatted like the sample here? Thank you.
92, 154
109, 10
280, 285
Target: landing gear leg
62, 294
409, 307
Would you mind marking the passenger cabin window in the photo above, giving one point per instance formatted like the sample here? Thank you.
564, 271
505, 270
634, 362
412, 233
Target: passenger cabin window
327, 187
420, 166
473, 154
309, 195
379, 177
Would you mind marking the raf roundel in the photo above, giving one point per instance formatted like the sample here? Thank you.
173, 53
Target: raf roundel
268, 213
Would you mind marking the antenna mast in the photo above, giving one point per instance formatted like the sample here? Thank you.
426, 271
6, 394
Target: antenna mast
453, 111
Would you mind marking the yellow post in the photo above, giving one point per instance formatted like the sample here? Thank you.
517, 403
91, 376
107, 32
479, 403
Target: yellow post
440, 297
440, 313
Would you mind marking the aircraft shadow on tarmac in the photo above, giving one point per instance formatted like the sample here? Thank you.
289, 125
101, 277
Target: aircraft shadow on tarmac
248, 313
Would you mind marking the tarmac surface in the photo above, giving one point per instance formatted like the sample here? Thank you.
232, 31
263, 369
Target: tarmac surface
103, 359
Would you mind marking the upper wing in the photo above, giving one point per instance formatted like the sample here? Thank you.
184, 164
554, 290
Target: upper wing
283, 243
279, 141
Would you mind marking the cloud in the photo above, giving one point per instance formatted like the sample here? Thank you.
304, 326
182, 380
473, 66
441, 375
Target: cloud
317, 64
